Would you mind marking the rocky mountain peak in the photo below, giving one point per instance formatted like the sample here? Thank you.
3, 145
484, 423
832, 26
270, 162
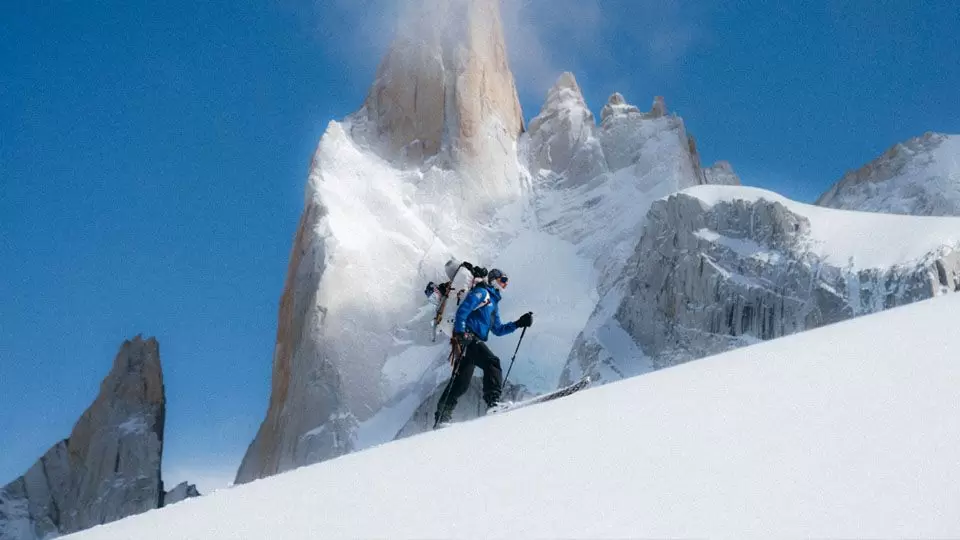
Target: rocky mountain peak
565, 95
920, 176
444, 84
109, 467
562, 136
563, 91
721, 174
617, 106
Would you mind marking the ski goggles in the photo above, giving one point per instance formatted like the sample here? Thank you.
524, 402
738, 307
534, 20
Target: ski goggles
503, 280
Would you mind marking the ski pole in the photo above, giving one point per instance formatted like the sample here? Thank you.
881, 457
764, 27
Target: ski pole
512, 360
455, 359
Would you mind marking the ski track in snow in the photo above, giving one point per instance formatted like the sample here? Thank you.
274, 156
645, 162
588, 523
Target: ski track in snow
845, 431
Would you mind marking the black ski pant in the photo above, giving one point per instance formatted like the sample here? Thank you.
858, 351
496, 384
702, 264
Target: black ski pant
477, 354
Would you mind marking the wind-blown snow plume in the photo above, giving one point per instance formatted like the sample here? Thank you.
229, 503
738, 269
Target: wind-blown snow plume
545, 37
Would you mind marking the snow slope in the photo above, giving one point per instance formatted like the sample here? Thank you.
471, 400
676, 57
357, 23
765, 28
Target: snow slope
845, 431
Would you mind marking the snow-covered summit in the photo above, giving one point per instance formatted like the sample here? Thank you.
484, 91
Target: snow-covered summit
847, 431
562, 138
917, 177
616, 170
868, 240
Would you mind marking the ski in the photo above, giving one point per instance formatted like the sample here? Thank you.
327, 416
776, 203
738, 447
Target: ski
443, 290
460, 283
543, 398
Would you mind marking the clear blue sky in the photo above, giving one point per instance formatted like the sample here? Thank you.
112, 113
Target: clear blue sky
153, 158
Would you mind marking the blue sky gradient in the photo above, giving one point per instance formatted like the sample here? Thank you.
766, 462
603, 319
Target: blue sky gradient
153, 158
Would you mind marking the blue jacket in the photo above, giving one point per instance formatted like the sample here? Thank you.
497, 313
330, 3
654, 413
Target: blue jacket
480, 315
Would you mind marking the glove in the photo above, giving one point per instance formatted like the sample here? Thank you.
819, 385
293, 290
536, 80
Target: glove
525, 320
467, 265
444, 288
479, 272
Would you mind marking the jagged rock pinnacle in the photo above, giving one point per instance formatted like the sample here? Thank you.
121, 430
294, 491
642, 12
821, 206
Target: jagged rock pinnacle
445, 83
109, 467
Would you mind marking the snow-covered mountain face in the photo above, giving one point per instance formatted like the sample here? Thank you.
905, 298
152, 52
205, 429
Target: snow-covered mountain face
425, 171
434, 167
593, 184
722, 267
919, 177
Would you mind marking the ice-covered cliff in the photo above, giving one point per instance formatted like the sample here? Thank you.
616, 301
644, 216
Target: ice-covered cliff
723, 267
919, 177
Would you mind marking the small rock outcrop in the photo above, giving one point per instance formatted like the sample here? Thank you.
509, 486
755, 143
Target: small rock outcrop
109, 467
721, 174
182, 492
919, 177
617, 105
659, 108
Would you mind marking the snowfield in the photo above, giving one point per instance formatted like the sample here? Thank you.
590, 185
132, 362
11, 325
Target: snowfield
846, 431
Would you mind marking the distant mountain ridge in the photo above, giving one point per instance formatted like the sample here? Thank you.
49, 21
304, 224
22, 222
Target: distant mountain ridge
919, 177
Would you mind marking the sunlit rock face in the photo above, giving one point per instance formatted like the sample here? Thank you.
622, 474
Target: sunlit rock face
445, 89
